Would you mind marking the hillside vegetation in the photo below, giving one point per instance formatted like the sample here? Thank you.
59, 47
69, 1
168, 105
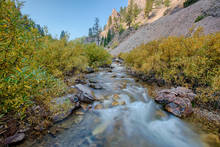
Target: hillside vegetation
33, 64
193, 62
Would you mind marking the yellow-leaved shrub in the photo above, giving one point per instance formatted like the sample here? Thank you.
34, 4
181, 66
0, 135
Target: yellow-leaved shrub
188, 61
33, 66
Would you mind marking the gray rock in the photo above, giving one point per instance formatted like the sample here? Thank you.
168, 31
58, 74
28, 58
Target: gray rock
84, 94
61, 116
15, 138
73, 104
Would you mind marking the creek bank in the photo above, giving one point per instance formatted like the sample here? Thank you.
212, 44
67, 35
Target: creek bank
13, 132
208, 119
177, 101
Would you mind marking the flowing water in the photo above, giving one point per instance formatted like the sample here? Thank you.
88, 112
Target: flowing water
135, 120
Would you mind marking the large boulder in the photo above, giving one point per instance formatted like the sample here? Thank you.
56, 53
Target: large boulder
176, 101
84, 94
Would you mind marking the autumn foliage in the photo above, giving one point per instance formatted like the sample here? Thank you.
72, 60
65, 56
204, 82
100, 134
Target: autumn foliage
33, 66
193, 62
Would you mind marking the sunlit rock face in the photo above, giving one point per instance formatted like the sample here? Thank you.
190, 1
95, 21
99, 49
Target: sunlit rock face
140, 3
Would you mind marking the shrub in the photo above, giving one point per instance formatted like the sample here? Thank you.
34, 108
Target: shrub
65, 57
28, 86
121, 29
199, 18
33, 66
189, 2
192, 61
97, 56
114, 44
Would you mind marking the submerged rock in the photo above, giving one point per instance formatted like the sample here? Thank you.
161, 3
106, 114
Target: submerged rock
115, 103
98, 106
84, 94
95, 86
15, 138
176, 101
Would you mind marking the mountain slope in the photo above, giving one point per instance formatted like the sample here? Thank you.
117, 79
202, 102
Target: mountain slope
176, 24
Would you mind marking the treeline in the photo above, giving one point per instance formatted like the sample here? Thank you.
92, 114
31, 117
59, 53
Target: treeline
192, 62
94, 32
33, 64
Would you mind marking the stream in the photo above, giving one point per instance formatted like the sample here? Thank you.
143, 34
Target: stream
125, 116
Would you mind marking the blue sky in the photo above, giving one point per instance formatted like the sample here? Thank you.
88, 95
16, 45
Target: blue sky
74, 16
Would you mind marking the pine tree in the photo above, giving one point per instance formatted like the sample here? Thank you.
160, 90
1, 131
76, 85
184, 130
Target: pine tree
148, 8
105, 41
129, 14
97, 30
136, 11
110, 21
62, 34
90, 32
167, 3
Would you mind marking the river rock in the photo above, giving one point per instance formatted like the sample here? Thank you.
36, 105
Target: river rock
84, 94
18, 137
89, 70
176, 101
115, 103
98, 106
117, 60
80, 81
92, 81
63, 115
95, 86
64, 106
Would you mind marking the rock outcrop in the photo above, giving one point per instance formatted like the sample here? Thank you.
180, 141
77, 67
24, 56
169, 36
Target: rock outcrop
176, 101
115, 16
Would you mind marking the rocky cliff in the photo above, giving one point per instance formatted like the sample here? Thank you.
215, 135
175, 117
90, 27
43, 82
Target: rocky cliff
159, 10
176, 24
115, 16
140, 3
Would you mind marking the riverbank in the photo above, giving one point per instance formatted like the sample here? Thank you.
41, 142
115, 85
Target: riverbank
118, 96
208, 120
122, 114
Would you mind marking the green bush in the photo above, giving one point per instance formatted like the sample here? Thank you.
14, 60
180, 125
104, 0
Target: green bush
199, 18
60, 57
97, 56
189, 2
